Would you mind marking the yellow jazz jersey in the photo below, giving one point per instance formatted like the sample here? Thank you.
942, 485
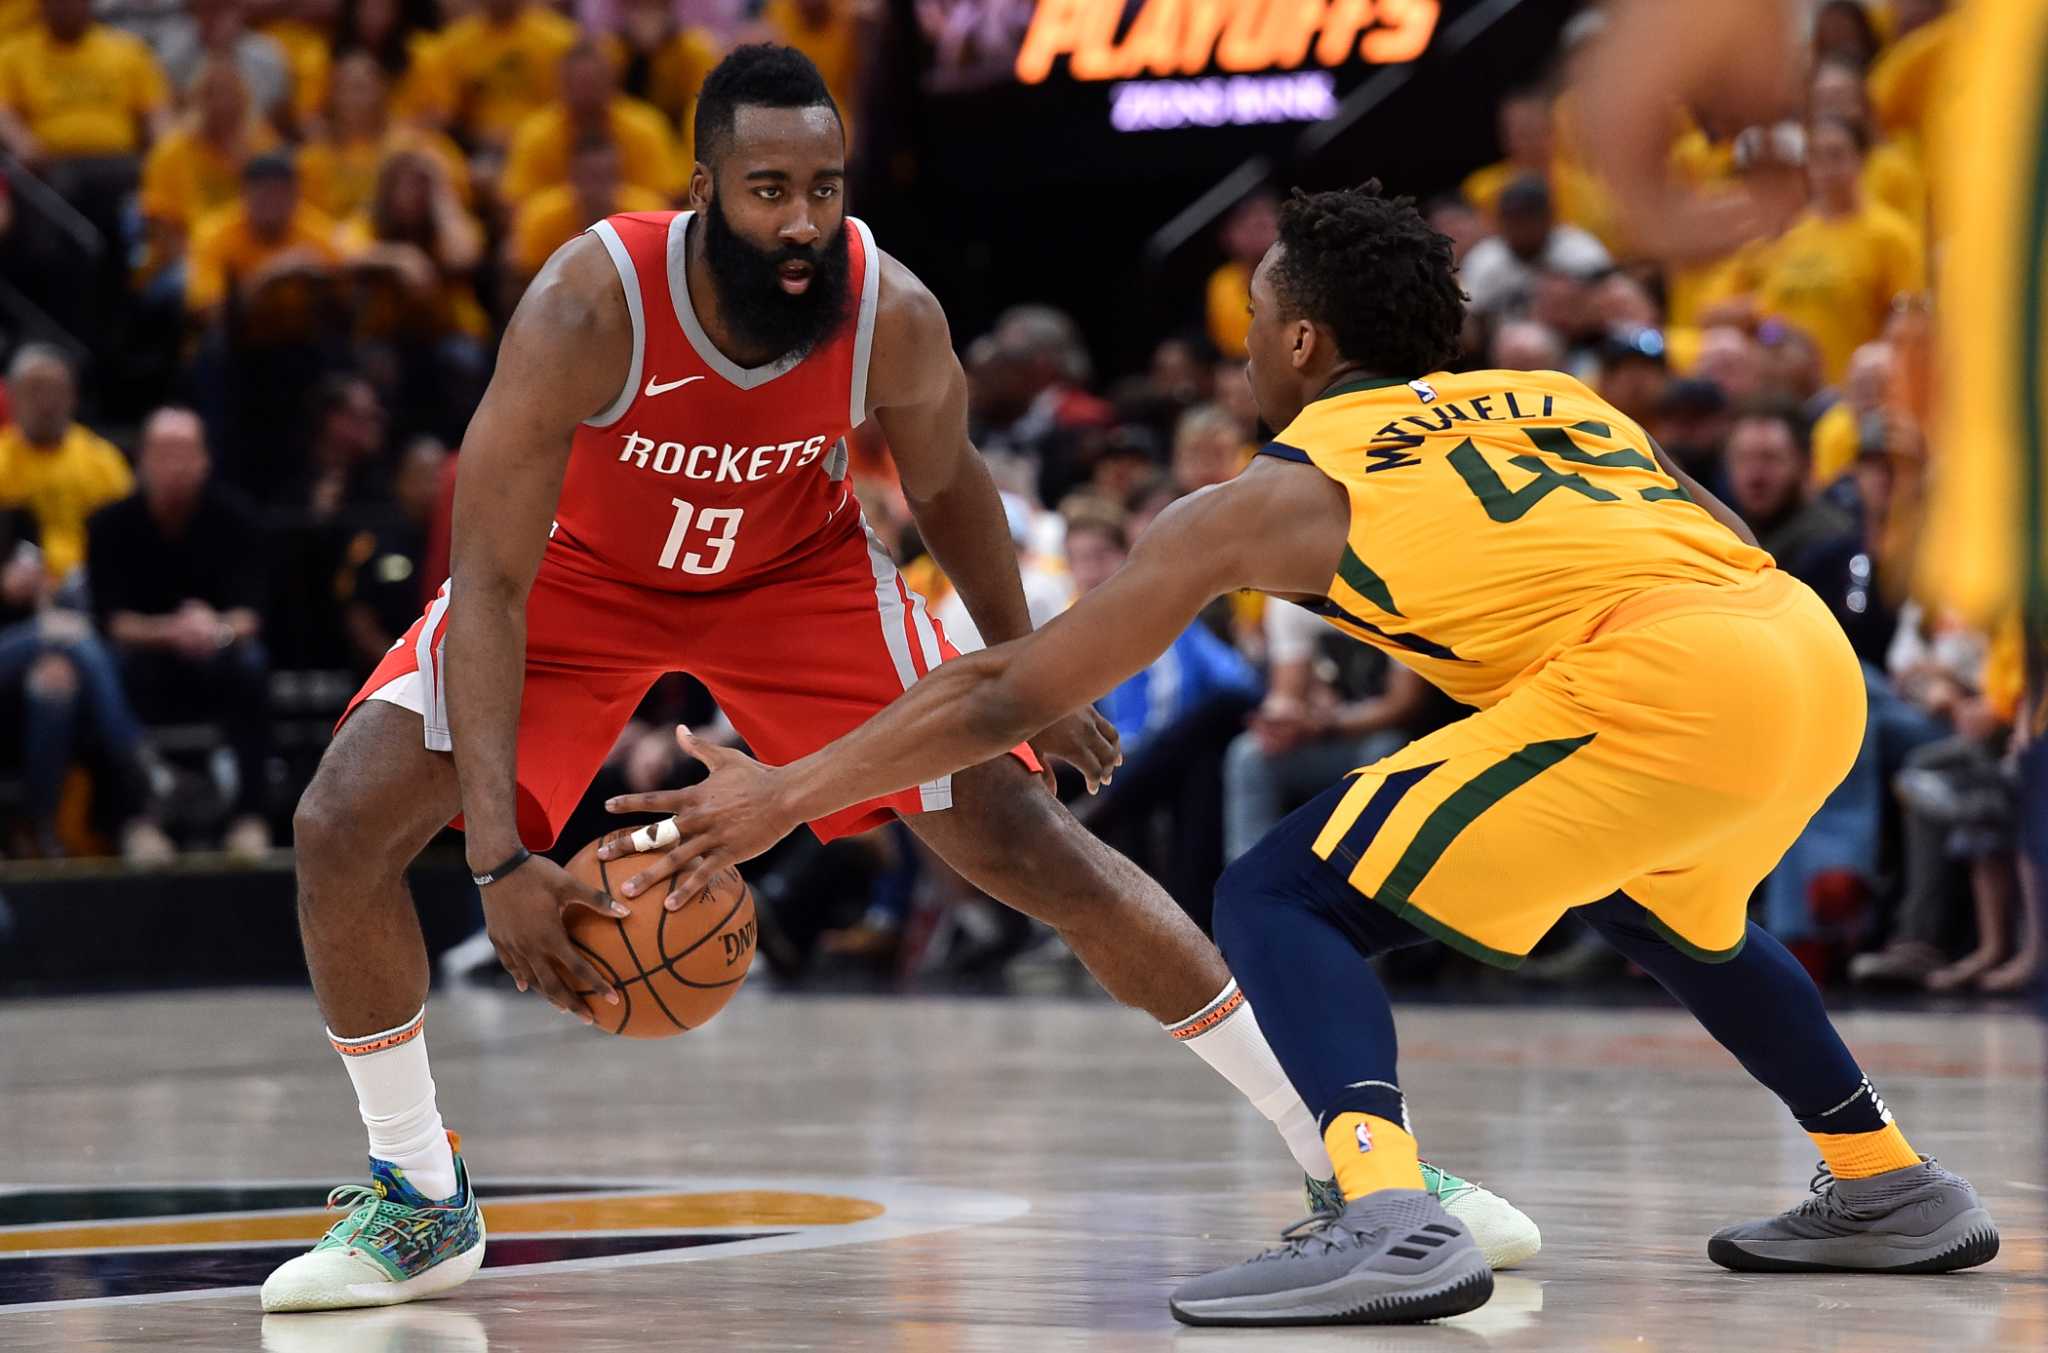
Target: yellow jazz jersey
1661, 710
1495, 517
1986, 549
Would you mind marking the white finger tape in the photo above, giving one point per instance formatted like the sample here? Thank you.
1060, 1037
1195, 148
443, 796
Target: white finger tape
656, 836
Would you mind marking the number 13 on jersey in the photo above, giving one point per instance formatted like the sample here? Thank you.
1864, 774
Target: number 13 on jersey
720, 527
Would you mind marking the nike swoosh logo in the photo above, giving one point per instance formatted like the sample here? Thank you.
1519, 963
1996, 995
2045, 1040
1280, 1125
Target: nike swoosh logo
655, 387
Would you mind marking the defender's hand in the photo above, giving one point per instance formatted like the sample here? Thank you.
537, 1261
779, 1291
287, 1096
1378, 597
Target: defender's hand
525, 914
734, 815
1084, 740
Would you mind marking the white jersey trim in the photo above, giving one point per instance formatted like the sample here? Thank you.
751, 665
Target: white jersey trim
427, 653
745, 377
934, 795
629, 278
403, 691
864, 333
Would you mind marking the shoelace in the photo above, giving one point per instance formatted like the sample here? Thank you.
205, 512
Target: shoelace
1445, 1190
1826, 1200
371, 1219
1311, 1232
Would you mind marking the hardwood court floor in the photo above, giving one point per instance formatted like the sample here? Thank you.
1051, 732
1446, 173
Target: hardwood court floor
780, 1180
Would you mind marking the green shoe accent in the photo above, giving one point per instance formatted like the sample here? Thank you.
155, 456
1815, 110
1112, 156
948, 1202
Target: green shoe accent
1444, 1184
1324, 1197
392, 1224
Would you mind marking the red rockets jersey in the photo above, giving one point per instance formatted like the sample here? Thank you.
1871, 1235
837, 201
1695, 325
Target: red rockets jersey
705, 475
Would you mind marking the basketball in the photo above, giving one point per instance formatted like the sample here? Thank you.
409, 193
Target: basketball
673, 970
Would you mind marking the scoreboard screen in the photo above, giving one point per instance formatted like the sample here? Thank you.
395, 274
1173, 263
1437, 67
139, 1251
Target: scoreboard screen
1100, 89
1033, 149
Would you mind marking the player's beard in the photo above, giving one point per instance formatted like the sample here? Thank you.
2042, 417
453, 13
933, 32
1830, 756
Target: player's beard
751, 301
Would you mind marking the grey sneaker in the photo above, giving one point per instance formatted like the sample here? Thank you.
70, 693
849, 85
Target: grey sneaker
1391, 1258
1917, 1219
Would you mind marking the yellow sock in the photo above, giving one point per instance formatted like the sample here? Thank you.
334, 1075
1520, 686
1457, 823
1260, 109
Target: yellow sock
1371, 1153
1859, 1155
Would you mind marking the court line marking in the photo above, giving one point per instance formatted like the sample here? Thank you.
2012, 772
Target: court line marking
592, 1190
910, 1210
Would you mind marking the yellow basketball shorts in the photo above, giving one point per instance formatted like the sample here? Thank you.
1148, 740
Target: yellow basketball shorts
1673, 756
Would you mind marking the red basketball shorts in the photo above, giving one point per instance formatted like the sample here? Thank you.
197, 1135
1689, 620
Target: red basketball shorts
794, 662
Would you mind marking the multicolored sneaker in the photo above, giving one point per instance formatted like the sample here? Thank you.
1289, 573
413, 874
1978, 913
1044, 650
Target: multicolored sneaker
1503, 1231
394, 1245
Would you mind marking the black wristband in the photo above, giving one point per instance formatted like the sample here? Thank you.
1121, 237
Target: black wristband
490, 876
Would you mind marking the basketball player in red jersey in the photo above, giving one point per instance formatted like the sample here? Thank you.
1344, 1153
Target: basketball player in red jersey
656, 480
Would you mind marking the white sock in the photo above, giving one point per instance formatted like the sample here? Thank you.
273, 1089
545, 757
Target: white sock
395, 1093
1225, 1034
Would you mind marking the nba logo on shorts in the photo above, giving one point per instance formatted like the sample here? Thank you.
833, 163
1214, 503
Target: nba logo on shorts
1364, 1139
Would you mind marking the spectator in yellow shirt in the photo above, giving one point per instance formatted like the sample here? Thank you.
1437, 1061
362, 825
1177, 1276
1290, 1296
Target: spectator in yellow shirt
591, 106
399, 36
196, 168
1248, 232
270, 253
499, 63
338, 169
72, 89
300, 28
1906, 81
832, 33
1837, 270
1838, 435
220, 28
1891, 174
58, 469
17, 16
412, 256
413, 249
1528, 136
661, 61
551, 218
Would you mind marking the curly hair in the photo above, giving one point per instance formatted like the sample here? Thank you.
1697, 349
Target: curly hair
759, 75
1370, 270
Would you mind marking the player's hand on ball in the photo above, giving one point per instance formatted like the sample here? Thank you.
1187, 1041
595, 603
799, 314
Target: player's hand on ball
1084, 740
733, 815
524, 913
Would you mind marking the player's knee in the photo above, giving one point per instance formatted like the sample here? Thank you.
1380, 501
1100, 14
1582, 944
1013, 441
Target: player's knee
1244, 898
1017, 825
330, 830
318, 827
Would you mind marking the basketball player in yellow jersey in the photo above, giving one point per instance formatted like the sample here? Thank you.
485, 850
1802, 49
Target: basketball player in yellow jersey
1660, 710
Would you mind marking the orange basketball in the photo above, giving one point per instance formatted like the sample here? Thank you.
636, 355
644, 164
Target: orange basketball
673, 970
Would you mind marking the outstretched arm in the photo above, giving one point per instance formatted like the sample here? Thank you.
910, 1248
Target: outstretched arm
1278, 528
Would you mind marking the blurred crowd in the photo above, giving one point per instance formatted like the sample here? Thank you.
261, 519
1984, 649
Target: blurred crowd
313, 216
